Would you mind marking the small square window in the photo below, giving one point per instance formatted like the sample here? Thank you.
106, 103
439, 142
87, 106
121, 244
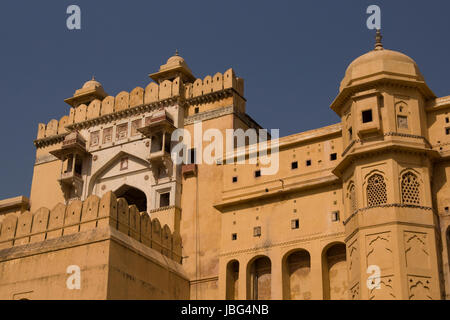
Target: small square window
367, 116
333, 156
294, 165
308, 163
257, 173
164, 199
335, 216
447, 120
295, 224
234, 236
196, 110
234, 179
257, 231
447, 131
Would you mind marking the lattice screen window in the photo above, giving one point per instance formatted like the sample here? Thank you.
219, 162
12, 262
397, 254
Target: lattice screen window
352, 198
410, 189
376, 191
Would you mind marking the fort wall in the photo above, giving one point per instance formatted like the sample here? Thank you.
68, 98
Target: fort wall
94, 212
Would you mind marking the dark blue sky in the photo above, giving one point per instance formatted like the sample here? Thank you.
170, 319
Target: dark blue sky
292, 55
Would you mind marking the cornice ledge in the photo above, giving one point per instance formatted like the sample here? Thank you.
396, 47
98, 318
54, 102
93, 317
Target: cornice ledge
213, 96
389, 205
47, 141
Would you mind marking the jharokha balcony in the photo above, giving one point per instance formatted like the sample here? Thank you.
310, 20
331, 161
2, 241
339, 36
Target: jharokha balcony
159, 129
72, 154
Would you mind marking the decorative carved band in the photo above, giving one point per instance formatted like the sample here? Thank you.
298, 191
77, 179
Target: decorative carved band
207, 115
44, 142
397, 205
396, 134
163, 209
213, 96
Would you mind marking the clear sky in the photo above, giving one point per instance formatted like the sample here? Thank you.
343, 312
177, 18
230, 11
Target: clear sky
292, 55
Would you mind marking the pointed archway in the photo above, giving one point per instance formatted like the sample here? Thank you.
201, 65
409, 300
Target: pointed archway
133, 196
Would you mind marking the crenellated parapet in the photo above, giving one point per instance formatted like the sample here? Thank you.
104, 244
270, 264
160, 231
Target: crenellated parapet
154, 96
216, 83
23, 228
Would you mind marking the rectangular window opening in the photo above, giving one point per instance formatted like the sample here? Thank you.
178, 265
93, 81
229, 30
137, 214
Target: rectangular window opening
192, 156
335, 216
257, 173
367, 116
257, 231
164, 199
295, 224
308, 163
78, 166
234, 236
333, 156
294, 165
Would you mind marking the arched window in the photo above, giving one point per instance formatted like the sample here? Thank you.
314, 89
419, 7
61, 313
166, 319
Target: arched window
410, 189
352, 198
376, 191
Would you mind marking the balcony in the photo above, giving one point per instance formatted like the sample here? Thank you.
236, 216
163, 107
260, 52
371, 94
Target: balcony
189, 170
72, 155
70, 178
159, 122
160, 157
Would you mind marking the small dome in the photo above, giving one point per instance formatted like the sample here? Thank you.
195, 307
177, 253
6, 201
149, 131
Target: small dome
175, 60
380, 62
92, 84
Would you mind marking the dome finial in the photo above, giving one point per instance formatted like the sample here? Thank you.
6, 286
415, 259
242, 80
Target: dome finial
93, 77
378, 37
176, 52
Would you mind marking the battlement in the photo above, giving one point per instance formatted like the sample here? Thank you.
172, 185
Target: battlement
22, 228
215, 83
152, 94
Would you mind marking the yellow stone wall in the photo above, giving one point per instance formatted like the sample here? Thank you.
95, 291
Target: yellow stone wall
360, 194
